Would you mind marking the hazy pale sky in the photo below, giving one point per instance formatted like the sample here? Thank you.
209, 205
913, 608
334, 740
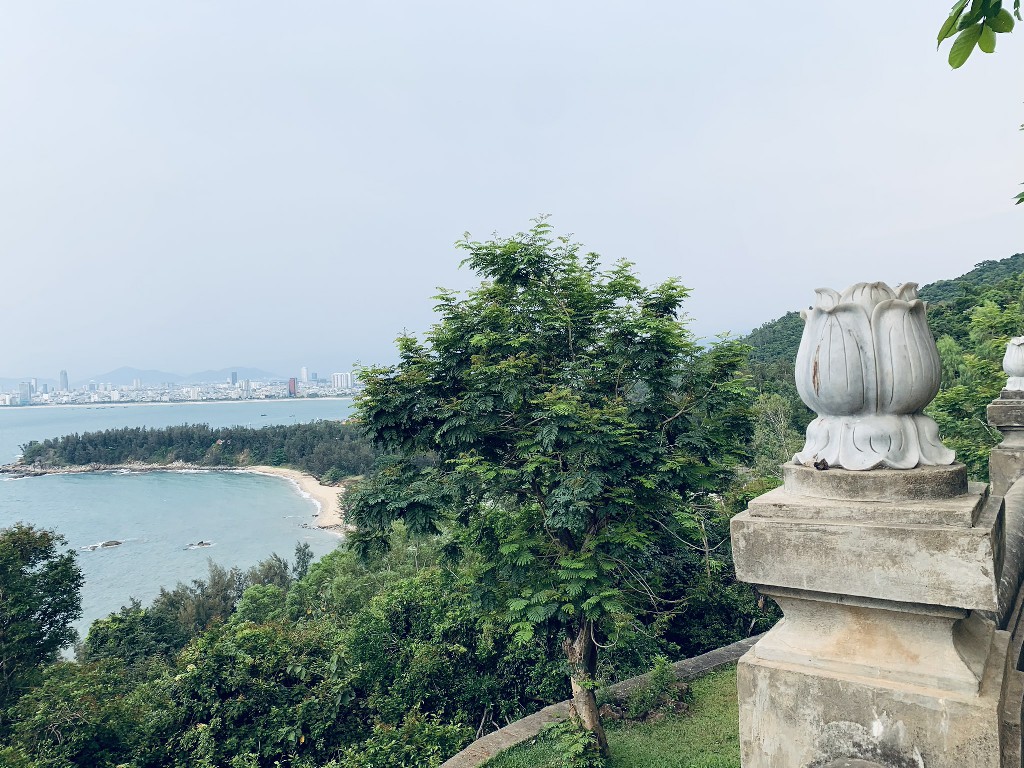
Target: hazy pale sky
194, 185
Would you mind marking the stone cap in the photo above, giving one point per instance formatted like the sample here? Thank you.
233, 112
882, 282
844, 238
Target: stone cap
961, 511
877, 484
1007, 410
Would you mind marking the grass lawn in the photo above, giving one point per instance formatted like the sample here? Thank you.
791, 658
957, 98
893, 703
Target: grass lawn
705, 737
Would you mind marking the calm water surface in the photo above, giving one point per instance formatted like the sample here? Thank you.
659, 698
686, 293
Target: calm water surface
158, 514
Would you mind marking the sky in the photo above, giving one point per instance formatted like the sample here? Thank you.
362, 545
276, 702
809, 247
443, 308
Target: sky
197, 185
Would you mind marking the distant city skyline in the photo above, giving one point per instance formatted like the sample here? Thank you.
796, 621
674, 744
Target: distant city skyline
125, 374
283, 185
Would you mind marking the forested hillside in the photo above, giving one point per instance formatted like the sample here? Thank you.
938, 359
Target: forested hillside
947, 299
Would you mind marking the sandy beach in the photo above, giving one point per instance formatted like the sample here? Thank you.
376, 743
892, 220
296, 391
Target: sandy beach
326, 496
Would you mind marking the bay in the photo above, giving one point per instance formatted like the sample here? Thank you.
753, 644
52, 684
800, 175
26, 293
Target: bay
158, 514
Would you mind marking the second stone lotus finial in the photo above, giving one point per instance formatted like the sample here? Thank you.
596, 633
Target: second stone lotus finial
868, 366
1013, 363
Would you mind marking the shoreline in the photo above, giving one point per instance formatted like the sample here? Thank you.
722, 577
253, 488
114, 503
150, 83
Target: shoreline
326, 497
130, 404
328, 516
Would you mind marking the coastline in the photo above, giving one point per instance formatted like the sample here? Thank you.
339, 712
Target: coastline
326, 498
329, 516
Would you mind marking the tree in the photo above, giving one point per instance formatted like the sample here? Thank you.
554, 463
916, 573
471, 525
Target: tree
555, 426
40, 595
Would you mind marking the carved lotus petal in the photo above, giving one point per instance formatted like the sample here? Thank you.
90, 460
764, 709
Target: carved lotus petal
827, 298
867, 295
835, 364
907, 361
907, 291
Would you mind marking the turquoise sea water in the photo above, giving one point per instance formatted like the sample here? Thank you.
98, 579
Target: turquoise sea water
158, 514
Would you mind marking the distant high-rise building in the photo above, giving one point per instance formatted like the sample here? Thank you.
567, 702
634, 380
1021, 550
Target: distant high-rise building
136, 383
246, 388
354, 379
64, 381
312, 377
25, 392
46, 389
304, 375
234, 378
34, 383
293, 386
338, 380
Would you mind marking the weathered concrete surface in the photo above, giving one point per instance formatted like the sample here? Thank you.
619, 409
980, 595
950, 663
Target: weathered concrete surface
940, 482
933, 564
929, 646
483, 749
962, 511
1013, 557
1006, 411
1005, 465
792, 716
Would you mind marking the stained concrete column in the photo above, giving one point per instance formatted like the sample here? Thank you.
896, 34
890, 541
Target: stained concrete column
887, 652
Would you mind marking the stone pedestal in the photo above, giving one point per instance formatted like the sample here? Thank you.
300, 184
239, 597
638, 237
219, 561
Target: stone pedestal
886, 654
1006, 463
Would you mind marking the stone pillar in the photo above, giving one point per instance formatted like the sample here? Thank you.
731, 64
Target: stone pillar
883, 654
1006, 463
886, 562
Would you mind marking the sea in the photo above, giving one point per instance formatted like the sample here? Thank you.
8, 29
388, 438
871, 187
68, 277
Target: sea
161, 516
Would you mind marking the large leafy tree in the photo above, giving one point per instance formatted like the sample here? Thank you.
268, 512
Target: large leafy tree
40, 595
558, 425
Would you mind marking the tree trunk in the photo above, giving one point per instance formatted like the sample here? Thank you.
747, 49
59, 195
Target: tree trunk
581, 653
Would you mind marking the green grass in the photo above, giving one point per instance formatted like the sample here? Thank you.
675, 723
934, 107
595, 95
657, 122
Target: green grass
705, 737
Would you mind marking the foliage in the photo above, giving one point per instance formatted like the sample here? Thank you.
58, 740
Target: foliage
321, 448
136, 635
418, 742
976, 26
575, 747
84, 714
706, 736
569, 412
777, 339
650, 694
40, 596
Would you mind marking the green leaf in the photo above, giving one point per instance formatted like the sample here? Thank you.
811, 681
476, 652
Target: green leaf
1002, 22
949, 27
987, 41
964, 45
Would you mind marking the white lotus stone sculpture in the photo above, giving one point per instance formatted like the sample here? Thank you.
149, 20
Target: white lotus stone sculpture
1013, 363
868, 366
